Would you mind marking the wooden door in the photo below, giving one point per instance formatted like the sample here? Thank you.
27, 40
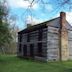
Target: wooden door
31, 50
25, 50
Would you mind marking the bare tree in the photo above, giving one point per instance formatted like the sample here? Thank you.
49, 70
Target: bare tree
60, 5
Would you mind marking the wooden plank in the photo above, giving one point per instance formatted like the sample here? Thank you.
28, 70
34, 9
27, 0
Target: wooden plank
53, 29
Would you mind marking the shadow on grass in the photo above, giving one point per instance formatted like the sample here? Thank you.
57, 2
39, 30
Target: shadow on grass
31, 60
68, 70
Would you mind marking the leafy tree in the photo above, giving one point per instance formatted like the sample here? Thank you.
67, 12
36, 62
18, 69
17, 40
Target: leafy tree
5, 35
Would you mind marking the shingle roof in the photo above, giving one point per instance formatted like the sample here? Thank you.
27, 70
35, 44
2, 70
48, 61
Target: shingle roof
44, 25
68, 26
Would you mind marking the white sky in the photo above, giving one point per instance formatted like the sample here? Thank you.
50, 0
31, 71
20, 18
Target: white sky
25, 4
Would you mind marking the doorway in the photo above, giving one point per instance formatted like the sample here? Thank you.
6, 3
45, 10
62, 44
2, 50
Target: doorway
25, 50
31, 50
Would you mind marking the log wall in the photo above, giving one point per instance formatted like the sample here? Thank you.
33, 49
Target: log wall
34, 40
70, 44
53, 43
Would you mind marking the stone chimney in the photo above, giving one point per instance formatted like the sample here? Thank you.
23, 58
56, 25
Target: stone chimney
29, 25
62, 19
64, 51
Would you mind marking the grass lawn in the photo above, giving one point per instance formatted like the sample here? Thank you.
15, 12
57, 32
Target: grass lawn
14, 64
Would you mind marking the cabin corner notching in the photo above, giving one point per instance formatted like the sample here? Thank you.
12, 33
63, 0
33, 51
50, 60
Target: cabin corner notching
47, 41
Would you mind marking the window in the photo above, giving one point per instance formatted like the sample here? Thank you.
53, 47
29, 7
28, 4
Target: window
19, 48
20, 37
39, 49
40, 35
28, 37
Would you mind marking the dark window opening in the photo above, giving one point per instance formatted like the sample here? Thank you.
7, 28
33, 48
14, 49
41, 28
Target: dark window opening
28, 37
40, 35
31, 50
39, 49
25, 50
20, 38
19, 47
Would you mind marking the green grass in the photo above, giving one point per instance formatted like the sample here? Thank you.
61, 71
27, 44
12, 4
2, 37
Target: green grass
14, 64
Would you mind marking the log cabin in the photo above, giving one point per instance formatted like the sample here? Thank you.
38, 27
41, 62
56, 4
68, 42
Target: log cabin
47, 41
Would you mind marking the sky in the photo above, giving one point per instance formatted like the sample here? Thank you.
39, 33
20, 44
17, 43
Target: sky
40, 11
